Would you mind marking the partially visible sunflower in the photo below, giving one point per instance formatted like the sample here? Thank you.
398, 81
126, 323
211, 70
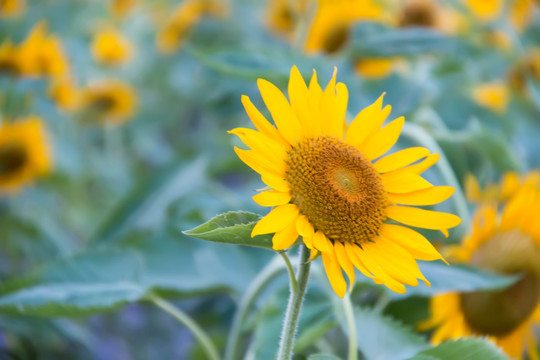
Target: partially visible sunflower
172, 33
64, 92
493, 95
24, 153
485, 10
109, 101
9, 59
330, 27
12, 8
41, 54
377, 68
283, 16
121, 8
510, 183
430, 14
329, 183
506, 242
109, 47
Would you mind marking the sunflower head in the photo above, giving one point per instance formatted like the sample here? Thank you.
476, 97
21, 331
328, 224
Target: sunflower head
110, 101
121, 8
24, 153
331, 184
9, 59
12, 8
109, 47
484, 10
494, 96
65, 93
506, 242
418, 13
282, 17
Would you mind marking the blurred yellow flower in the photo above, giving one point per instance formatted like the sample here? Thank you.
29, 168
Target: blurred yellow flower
484, 10
510, 183
109, 47
333, 185
108, 101
41, 54
521, 13
375, 68
12, 8
64, 93
283, 16
431, 14
329, 30
122, 7
24, 153
171, 35
494, 96
9, 59
509, 243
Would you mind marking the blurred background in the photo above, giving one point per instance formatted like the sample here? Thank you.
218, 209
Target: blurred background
113, 139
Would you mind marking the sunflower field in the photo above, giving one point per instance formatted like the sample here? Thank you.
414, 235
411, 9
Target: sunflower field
270, 179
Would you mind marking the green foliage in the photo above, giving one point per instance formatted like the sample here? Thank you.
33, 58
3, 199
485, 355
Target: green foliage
232, 228
462, 349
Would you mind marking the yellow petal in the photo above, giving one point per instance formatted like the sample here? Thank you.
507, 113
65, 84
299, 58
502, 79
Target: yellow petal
285, 238
271, 151
415, 243
344, 262
366, 122
350, 248
382, 140
315, 94
369, 261
400, 159
419, 167
333, 271
429, 196
403, 182
276, 220
299, 96
333, 108
260, 121
259, 163
272, 198
275, 181
421, 218
282, 113
304, 227
321, 243
472, 188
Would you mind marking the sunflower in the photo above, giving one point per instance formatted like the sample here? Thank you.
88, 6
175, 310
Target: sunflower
42, 54
329, 30
121, 8
11, 8
510, 183
171, 35
484, 10
109, 101
329, 184
493, 95
282, 16
24, 153
64, 92
509, 243
109, 47
430, 14
9, 59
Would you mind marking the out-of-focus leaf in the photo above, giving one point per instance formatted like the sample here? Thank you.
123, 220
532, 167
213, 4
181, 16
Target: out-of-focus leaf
381, 337
232, 228
460, 278
323, 357
462, 349
145, 207
394, 42
80, 285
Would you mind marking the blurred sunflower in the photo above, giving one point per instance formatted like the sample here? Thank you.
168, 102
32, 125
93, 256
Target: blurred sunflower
109, 47
327, 185
12, 8
492, 192
41, 54
24, 153
64, 93
507, 243
171, 35
494, 96
283, 16
329, 30
9, 59
430, 14
527, 67
122, 7
521, 13
484, 10
108, 101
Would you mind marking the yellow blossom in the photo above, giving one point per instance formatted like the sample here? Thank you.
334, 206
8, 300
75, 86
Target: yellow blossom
493, 95
109, 47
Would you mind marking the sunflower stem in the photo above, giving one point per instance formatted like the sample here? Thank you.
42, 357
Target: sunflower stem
296, 298
207, 344
351, 326
273, 269
294, 283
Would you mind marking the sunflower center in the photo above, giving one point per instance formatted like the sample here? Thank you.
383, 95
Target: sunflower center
12, 158
418, 13
337, 188
102, 103
335, 38
499, 312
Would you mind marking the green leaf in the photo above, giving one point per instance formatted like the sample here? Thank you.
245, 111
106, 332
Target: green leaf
80, 285
323, 357
232, 228
462, 349
381, 337
461, 278
366, 42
